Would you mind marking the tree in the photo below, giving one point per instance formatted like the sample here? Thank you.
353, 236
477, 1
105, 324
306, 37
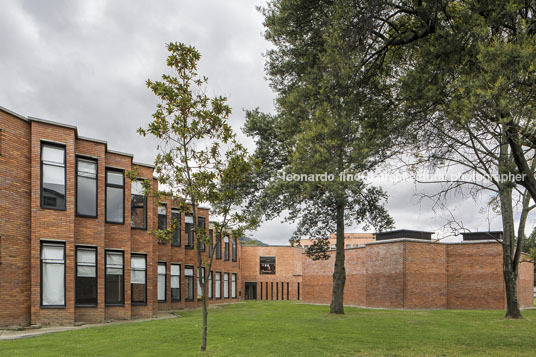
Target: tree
315, 150
198, 157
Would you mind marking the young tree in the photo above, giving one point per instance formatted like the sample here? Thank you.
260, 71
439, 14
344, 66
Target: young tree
198, 157
317, 148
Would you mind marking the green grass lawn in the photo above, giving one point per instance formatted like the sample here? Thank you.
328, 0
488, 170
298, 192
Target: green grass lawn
289, 328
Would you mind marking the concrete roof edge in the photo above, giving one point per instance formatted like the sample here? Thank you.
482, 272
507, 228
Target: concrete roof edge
50, 122
14, 114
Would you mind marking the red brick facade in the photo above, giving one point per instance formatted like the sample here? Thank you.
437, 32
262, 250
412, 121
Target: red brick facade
412, 274
24, 225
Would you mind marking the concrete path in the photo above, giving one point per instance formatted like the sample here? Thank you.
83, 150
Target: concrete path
16, 334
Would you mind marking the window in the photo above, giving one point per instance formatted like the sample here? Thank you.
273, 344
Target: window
86, 276
233, 286
188, 225
234, 249
218, 246
355, 245
226, 248
226, 285
298, 291
261, 290
162, 216
86, 187
176, 237
53, 274
210, 245
161, 282
305, 246
288, 287
282, 291
115, 289
271, 291
200, 280
175, 282
266, 291
218, 285
138, 206
201, 226
348, 246
115, 194
52, 176
333, 246
138, 276
267, 265
276, 291
210, 285
189, 275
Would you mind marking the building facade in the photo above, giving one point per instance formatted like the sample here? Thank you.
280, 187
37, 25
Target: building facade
75, 242
76, 246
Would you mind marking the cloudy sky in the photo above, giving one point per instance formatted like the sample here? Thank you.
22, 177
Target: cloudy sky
85, 63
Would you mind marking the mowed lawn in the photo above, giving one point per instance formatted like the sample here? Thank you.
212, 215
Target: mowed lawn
284, 328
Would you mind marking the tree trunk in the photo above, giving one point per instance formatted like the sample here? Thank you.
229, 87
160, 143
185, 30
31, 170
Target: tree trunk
339, 273
205, 320
510, 261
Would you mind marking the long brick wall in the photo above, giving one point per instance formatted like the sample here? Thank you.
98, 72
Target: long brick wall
411, 274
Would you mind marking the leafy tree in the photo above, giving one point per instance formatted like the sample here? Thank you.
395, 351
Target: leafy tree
320, 134
198, 157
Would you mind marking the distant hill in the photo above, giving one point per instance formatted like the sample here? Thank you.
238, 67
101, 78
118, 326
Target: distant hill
251, 242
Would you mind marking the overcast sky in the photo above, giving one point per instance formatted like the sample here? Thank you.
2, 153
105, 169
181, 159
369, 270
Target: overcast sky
85, 63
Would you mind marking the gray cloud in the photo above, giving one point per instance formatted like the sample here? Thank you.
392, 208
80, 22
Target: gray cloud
85, 63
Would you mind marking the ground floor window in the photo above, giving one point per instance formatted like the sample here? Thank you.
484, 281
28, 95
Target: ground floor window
86, 276
271, 291
138, 277
200, 280
298, 291
52, 274
226, 285
189, 275
260, 284
161, 282
210, 285
233, 286
288, 294
218, 285
175, 282
114, 289
266, 290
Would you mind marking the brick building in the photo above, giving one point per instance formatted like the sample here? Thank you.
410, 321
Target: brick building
74, 234
351, 240
75, 246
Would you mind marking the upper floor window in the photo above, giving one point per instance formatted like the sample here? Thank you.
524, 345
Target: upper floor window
211, 242
201, 226
176, 217
188, 226
234, 249
86, 187
115, 196
52, 176
52, 274
267, 265
333, 246
226, 248
138, 206
217, 246
162, 216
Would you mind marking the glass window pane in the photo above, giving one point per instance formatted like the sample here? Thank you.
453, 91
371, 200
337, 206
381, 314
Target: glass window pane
161, 287
53, 284
86, 196
137, 211
54, 176
114, 178
136, 188
87, 168
137, 276
114, 204
53, 154
188, 219
175, 269
52, 252
137, 262
114, 258
175, 282
86, 271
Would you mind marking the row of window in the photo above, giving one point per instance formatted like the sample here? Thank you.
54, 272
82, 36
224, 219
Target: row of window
277, 290
53, 278
53, 197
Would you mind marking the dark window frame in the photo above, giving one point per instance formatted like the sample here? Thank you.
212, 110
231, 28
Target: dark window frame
122, 303
260, 265
41, 275
106, 185
201, 245
226, 274
88, 158
234, 247
211, 285
86, 247
288, 290
266, 286
188, 278
260, 284
211, 242
272, 291
165, 280
132, 302
162, 204
178, 228
217, 247
144, 228
180, 280
218, 273
190, 243
234, 286
276, 291
41, 198
226, 248
204, 274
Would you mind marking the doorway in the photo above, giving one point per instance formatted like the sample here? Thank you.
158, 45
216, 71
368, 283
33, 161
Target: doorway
251, 291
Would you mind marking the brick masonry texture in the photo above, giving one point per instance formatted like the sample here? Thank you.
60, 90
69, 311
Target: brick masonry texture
409, 274
24, 225
389, 274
